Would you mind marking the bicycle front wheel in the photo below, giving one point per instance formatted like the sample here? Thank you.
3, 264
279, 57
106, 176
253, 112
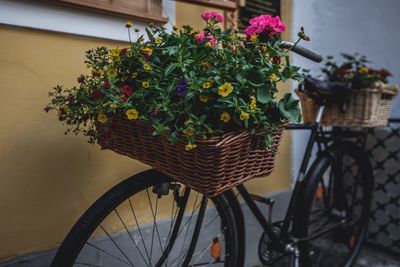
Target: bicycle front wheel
332, 215
150, 220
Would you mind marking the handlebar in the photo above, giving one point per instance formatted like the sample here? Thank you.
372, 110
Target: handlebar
302, 51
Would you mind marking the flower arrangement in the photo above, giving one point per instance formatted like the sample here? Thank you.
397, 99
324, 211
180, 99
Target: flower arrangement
354, 70
187, 85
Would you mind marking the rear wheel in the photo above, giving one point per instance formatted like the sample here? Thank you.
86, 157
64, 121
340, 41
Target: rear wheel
150, 220
332, 215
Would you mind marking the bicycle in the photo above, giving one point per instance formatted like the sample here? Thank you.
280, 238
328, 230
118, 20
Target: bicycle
328, 212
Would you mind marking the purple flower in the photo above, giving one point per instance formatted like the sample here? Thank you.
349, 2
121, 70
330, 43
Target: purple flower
181, 88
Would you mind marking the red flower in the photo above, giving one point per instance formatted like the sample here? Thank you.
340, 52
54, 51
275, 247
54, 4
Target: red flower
127, 90
97, 94
276, 59
123, 51
106, 84
123, 98
385, 73
95, 73
343, 71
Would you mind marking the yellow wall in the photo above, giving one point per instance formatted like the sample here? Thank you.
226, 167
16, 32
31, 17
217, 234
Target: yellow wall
47, 179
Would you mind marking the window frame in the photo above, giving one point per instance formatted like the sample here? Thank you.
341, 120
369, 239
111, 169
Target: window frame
154, 15
227, 5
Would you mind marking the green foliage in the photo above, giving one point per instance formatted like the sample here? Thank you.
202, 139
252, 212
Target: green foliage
183, 86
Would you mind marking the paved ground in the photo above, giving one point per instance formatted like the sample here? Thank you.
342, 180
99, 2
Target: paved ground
373, 258
368, 257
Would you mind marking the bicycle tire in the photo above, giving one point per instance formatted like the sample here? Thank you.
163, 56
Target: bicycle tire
83, 229
348, 236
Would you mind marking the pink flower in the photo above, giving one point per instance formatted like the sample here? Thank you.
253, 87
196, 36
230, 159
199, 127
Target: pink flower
206, 38
212, 15
265, 24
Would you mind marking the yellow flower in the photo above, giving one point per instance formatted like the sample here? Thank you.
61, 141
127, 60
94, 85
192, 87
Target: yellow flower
147, 67
102, 118
205, 64
207, 85
253, 103
244, 116
158, 40
84, 86
274, 78
145, 84
363, 70
134, 74
188, 132
85, 109
111, 73
189, 121
190, 146
113, 105
115, 54
132, 114
147, 50
129, 53
225, 117
264, 49
204, 98
128, 24
124, 78
225, 89
253, 37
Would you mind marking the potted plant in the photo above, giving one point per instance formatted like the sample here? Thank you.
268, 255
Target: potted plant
199, 106
369, 103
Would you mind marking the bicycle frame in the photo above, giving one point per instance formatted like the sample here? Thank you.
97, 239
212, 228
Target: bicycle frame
317, 136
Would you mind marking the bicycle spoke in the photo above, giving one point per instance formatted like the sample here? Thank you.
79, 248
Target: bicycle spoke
173, 219
152, 232
207, 248
88, 264
140, 231
189, 220
131, 263
133, 241
105, 252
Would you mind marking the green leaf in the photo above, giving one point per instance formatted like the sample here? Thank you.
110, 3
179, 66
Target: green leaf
170, 69
263, 96
289, 108
150, 35
253, 75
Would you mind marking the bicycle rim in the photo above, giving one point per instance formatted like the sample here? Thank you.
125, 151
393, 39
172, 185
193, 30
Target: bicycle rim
149, 220
335, 215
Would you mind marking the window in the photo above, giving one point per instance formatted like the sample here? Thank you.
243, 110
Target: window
142, 10
229, 5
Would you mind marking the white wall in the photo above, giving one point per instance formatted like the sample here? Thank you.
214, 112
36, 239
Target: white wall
37, 15
369, 27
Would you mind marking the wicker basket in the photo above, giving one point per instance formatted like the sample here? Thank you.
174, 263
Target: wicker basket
368, 107
217, 164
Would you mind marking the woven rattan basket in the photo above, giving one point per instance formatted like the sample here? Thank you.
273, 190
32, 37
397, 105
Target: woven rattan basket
369, 107
217, 164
